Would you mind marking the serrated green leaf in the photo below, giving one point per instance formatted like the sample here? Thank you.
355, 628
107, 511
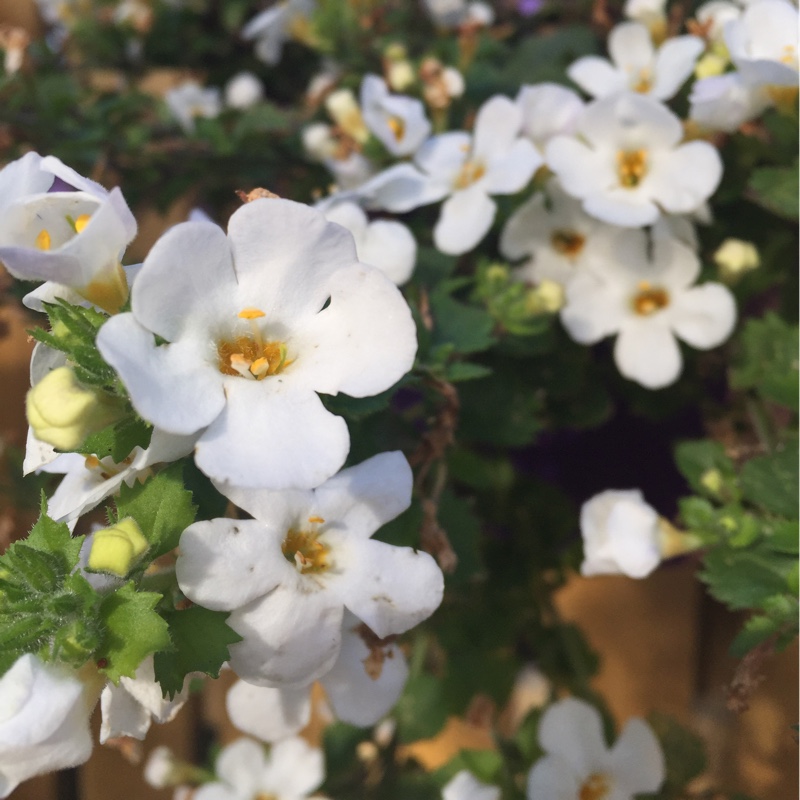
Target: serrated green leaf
55, 537
776, 189
770, 481
782, 537
696, 459
745, 578
132, 630
119, 439
200, 641
161, 506
466, 328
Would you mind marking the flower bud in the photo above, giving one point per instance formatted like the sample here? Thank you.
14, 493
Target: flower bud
546, 298
400, 75
63, 412
709, 66
243, 90
116, 549
734, 257
344, 110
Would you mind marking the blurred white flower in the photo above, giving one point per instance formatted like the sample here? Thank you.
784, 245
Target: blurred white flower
453, 13
465, 786
725, 102
713, 17
577, 762
288, 574
547, 111
628, 165
636, 65
271, 28
297, 316
648, 301
386, 244
191, 101
291, 771
44, 721
243, 91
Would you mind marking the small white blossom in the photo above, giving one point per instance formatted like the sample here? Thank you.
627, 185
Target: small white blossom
291, 771
191, 101
577, 762
257, 323
647, 302
636, 65
243, 91
725, 102
547, 111
714, 15
453, 13
627, 163
288, 574
465, 786
44, 721
621, 534
272, 27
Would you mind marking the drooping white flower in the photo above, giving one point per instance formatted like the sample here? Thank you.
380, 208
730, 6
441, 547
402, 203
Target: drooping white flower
725, 102
465, 786
386, 244
256, 324
577, 762
291, 771
399, 122
557, 239
364, 683
548, 110
44, 721
648, 302
628, 166
273, 26
243, 91
620, 535
70, 238
466, 169
191, 101
288, 574
129, 709
636, 65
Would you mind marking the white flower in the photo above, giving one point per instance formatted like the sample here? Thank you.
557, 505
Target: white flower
494, 160
628, 164
243, 90
547, 111
399, 122
714, 15
129, 708
364, 683
725, 102
647, 302
288, 574
557, 240
636, 65
348, 166
257, 323
452, 13
386, 244
643, 10
578, 763
465, 786
763, 44
70, 238
190, 100
44, 721
621, 534
272, 27
292, 770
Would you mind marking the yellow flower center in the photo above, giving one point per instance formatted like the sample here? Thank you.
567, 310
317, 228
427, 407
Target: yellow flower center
249, 355
595, 787
471, 172
397, 126
303, 548
568, 243
631, 167
43, 240
649, 299
643, 82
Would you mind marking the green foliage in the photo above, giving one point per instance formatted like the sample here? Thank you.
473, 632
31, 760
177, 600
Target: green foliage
770, 482
684, 756
132, 630
776, 189
200, 641
119, 439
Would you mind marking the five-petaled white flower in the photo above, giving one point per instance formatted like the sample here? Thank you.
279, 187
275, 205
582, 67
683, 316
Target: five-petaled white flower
256, 323
291, 771
577, 762
288, 574
636, 65
647, 302
627, 163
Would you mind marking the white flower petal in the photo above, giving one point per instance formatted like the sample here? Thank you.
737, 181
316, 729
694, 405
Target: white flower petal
704, 316
631, 47
267, 713
240, 764
686, 177
572, 729
442, 156
509, 172
590, 313
622, 207
636, 760
22, 178
579, 170
391, 247
464, 220
548, 109
552, 778
122, 715
674, 64
465, 786
597, 76
497, 126
646, 352
294, 769
402, 188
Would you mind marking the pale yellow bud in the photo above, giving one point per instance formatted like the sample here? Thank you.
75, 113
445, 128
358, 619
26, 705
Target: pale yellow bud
497, 273
710, 65
400, 75
116, 549
734, 257
711, 480
546, 298
343, 108
674, 542
63, 412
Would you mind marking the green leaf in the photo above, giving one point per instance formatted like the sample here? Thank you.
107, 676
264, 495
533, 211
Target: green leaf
782, 537
132, 631
119, 439
55, 537
684, 754
465, 371
466, 328
161, 506
776, 189
200, 640
696, 459
768, 362
420, 713
770, 482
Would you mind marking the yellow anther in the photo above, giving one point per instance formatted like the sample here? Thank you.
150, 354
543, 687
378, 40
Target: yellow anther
595, 787
568, 243
470, 173
397, 127
649, 299
644, 81
82, 222
316, 520
92, 462
631, 167
251, 313
260, 367
43, 240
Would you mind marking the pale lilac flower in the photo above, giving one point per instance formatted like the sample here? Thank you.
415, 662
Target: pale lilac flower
256, 324
273, 26
577, 762
191, 101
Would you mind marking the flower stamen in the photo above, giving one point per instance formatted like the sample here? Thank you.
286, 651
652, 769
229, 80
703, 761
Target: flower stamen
568, 243
43, 240
470, 173
631, 167
305, 551
596, 787
649, 299
397, 126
